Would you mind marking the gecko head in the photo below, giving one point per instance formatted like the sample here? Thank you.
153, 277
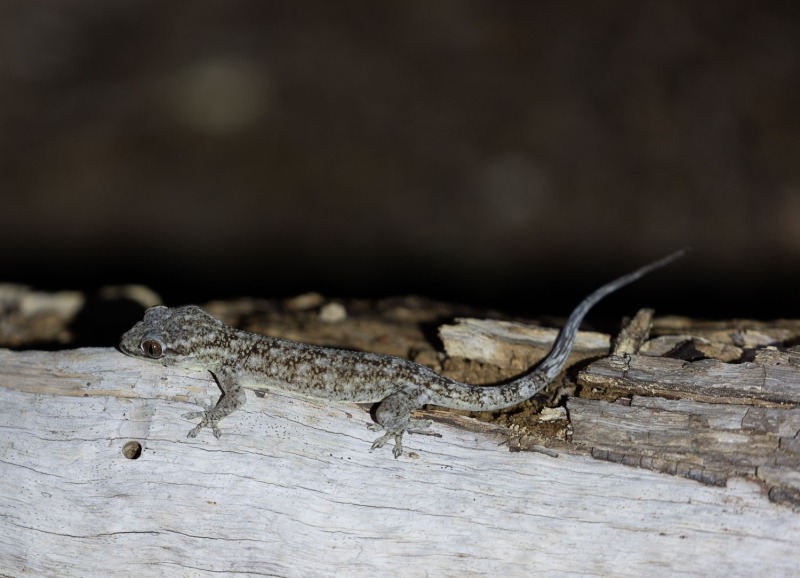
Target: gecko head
173, 336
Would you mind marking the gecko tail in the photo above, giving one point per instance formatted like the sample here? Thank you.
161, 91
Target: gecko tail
489, 398
555, 361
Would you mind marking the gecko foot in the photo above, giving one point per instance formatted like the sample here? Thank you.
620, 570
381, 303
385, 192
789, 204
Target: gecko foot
206, 421
415, 426
397, 451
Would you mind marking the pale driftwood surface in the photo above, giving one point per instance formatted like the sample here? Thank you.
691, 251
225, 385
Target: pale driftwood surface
292, 490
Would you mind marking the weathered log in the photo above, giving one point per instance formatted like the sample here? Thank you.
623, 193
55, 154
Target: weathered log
98, 478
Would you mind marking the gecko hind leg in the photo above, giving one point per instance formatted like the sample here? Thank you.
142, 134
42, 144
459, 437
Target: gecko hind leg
393, 415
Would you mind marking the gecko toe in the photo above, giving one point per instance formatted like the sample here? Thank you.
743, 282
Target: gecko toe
380, 442
205, 422
397, 451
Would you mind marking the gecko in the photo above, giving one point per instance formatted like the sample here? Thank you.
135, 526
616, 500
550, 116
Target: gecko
190, 338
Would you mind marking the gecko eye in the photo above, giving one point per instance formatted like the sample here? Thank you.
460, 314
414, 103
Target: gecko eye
151, 348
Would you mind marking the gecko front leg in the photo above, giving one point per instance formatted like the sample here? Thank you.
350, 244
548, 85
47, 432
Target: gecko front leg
393, 415
232, 398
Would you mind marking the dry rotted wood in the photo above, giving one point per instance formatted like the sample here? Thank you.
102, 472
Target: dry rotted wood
28, 316
511, 345
772, 377
635, 333
94, 461
707, 442
723, 419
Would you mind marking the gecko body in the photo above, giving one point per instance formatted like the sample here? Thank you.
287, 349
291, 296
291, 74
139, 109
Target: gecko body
190, 338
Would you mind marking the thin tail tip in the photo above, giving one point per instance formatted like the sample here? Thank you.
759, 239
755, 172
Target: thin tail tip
677, 255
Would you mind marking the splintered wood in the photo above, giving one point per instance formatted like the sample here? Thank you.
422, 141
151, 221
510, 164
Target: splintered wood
705, 419
673, 454
686, 413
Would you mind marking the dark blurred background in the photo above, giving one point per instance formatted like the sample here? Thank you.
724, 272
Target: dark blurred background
494, 152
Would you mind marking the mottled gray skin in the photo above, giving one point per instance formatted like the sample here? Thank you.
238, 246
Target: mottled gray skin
188, 337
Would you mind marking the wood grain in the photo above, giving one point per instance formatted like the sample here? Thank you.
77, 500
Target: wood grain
292, 490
